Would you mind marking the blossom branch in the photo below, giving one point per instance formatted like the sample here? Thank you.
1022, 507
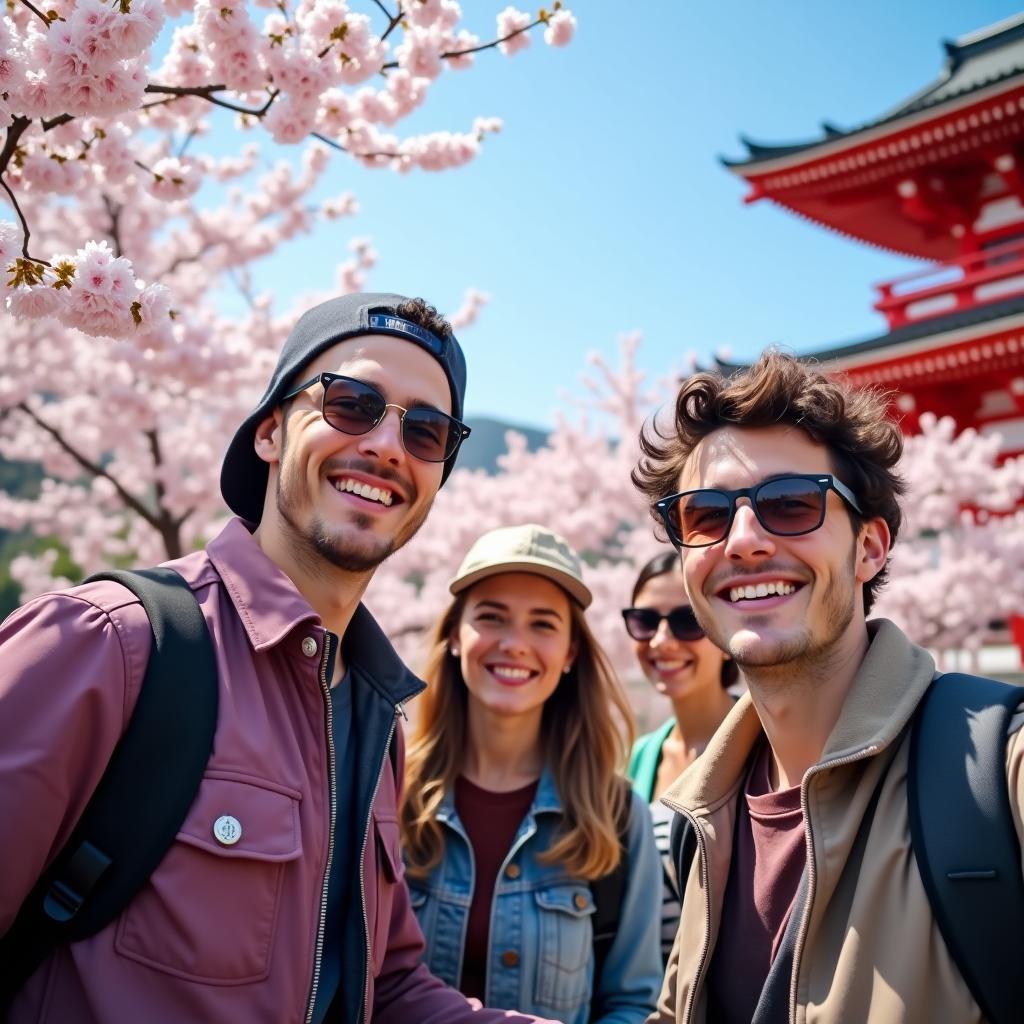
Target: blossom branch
497, 42
35, 10
93, 468
207, 92
450, 54
393, 20
21, 218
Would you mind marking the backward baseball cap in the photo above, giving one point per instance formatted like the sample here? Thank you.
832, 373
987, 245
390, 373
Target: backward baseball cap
243, 475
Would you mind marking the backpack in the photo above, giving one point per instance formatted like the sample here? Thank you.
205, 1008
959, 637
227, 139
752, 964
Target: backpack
962, 834
111, 854
155, 770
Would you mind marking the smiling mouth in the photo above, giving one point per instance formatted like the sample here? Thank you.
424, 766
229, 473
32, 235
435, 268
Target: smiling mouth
758, 591
511, 674
669, 666
377, 495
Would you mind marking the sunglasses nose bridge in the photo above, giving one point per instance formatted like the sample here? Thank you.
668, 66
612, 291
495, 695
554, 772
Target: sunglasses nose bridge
746, 527
384, 435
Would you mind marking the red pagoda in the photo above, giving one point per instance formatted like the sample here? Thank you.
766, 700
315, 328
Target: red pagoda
940, 177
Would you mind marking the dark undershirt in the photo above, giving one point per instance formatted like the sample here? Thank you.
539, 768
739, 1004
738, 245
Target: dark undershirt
339, 882
769, 853
491, 821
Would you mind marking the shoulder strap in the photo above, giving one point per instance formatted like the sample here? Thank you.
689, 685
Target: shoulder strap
608, 892
145, 792
963, 836
683, 846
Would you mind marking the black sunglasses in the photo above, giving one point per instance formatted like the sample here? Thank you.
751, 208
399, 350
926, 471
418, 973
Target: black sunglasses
643, 623
787, 506
355, 407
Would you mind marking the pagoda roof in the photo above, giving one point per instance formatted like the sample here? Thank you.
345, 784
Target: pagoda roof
987, 57
875, 348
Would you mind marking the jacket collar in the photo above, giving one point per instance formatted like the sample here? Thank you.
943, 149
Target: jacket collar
267, 602
370, 652
269, 607
545, 800
888, 686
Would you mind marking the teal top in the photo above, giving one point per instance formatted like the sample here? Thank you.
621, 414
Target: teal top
644, 758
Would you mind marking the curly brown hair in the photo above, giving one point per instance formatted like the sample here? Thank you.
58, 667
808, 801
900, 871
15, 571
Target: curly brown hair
864, 443
421, 313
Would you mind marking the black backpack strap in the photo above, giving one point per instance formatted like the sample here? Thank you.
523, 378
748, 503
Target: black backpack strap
608, 892
683, 846
963, 835
145, 792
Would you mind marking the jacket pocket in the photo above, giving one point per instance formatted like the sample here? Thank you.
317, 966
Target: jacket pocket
209, 911
380, 895
565, 942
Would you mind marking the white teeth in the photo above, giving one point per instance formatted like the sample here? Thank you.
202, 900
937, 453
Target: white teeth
669, 666
507, 672
751, 592
378, 494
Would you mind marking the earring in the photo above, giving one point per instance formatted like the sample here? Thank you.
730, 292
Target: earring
566, 670
453, 650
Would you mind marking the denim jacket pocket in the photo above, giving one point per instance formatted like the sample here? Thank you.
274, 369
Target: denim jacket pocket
209, 911
565, 942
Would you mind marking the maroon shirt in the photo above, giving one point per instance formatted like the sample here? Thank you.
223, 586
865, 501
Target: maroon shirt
491, 821
768, 860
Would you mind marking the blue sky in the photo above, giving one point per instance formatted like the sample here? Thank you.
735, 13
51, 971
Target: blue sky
602, 208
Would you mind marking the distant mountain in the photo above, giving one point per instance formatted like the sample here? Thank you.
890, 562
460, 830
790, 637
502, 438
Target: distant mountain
482, 448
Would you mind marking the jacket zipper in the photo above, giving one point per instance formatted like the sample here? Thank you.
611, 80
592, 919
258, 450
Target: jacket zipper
319, 951
705, 881
399, 710
812, 875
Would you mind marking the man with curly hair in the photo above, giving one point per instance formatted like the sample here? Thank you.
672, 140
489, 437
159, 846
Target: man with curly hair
801, 901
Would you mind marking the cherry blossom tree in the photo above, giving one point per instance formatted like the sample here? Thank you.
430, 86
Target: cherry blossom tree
151, 153
957, 569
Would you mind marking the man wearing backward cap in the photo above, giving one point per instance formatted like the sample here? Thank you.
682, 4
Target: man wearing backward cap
283, 896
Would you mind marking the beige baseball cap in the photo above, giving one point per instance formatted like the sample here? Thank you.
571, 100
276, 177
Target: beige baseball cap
527, 548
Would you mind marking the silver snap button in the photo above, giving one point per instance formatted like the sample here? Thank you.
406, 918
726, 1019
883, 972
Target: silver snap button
227, 830
309, 647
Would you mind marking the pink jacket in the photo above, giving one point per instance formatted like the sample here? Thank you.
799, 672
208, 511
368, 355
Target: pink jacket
220, 932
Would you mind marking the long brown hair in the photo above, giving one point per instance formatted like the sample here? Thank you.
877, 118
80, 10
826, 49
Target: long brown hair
583, 748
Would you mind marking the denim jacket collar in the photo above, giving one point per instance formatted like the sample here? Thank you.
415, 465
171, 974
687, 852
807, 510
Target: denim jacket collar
545, 801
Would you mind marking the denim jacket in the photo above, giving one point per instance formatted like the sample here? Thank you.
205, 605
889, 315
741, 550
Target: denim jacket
540, 958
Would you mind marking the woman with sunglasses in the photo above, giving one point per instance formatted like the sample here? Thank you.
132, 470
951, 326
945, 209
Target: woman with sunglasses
518, 832
683, 664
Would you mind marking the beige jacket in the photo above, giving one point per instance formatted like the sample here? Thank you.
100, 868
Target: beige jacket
868, 950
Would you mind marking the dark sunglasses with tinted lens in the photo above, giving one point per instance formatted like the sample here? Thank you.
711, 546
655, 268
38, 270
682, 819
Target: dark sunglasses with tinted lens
355, 407
643, 623
787, 506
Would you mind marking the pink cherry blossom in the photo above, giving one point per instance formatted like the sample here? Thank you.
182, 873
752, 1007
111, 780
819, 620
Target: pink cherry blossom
419, 53
561, 28
174, 178
512, 20
35, 303
10, 242
135, 321
288, 121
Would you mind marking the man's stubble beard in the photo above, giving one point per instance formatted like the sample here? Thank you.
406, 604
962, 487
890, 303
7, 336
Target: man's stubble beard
801, 657
316, 544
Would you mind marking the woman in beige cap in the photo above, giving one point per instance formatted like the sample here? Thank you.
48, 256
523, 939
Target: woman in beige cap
532, 868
